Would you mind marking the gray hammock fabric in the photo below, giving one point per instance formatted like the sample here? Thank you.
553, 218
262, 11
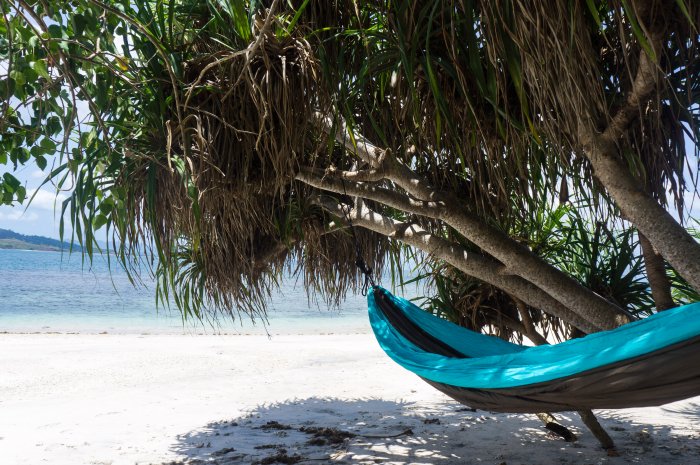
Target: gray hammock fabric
648, 362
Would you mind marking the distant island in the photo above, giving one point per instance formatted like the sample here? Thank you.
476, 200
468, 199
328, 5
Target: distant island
12, 240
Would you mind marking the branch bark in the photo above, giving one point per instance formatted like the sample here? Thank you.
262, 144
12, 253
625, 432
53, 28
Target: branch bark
528, 326
476, 265
590, 420
518, 259
656, 274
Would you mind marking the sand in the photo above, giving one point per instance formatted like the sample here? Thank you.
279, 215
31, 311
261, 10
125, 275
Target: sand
154, 399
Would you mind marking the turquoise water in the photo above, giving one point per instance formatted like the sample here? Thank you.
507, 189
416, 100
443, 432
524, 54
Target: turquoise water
54, 292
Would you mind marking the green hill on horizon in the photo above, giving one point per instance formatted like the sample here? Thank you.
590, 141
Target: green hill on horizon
12, 240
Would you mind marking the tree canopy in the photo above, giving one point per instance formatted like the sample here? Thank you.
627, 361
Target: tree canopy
537, 158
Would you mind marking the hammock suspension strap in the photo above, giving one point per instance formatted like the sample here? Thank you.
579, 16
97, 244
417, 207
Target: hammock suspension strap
359, 260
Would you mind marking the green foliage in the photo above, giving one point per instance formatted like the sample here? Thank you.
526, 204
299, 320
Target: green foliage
605, 260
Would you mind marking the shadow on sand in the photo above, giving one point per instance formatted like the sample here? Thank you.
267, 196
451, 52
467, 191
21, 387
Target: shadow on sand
367, 431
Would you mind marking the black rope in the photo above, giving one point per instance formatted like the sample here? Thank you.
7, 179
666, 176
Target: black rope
359, 261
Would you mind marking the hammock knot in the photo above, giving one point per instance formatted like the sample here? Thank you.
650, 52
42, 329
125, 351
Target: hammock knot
367, 271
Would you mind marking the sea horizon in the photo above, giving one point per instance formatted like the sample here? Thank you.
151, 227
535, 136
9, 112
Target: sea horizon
54, 292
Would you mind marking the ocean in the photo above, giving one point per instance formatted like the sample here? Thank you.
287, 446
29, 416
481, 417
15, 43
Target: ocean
55, 292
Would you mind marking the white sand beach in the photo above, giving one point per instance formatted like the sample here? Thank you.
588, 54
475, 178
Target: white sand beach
154, 399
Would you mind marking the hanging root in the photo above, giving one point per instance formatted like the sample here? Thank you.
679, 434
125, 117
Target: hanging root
555, 427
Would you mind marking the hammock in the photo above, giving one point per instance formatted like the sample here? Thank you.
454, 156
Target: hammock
647, 362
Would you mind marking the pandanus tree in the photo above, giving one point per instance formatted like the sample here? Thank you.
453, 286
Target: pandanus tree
537, 158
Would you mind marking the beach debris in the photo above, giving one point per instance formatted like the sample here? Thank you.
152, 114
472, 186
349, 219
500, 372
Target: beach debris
269, 446
643, 437
280, 457
223, 451
431, 421
272, 424
556, 429
326, 436
275, 425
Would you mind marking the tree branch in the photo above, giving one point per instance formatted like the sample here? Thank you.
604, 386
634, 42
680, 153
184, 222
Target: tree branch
528, 326
354, 143
382, 160
518, 259
656, 275
642, 87
322, 180
473, 264
370, 175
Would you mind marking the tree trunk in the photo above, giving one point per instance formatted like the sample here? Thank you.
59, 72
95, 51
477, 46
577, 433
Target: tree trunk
529, 327
663, 232
656, 273
666, 235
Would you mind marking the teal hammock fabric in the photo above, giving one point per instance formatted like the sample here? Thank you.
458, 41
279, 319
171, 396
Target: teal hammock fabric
501, 368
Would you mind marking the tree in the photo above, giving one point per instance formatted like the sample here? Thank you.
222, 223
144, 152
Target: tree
531, 153
475, 132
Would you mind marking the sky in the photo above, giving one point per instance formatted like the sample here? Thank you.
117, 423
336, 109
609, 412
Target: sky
38, 218
41, 217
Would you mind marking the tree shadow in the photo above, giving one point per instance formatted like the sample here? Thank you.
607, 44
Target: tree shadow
372, 431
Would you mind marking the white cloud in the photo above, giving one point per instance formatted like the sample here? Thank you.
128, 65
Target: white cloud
45, 200
37, 174
38, 218
18, 214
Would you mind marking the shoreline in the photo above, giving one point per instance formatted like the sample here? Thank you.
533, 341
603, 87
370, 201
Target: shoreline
277, 324
330, 326
232, 399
